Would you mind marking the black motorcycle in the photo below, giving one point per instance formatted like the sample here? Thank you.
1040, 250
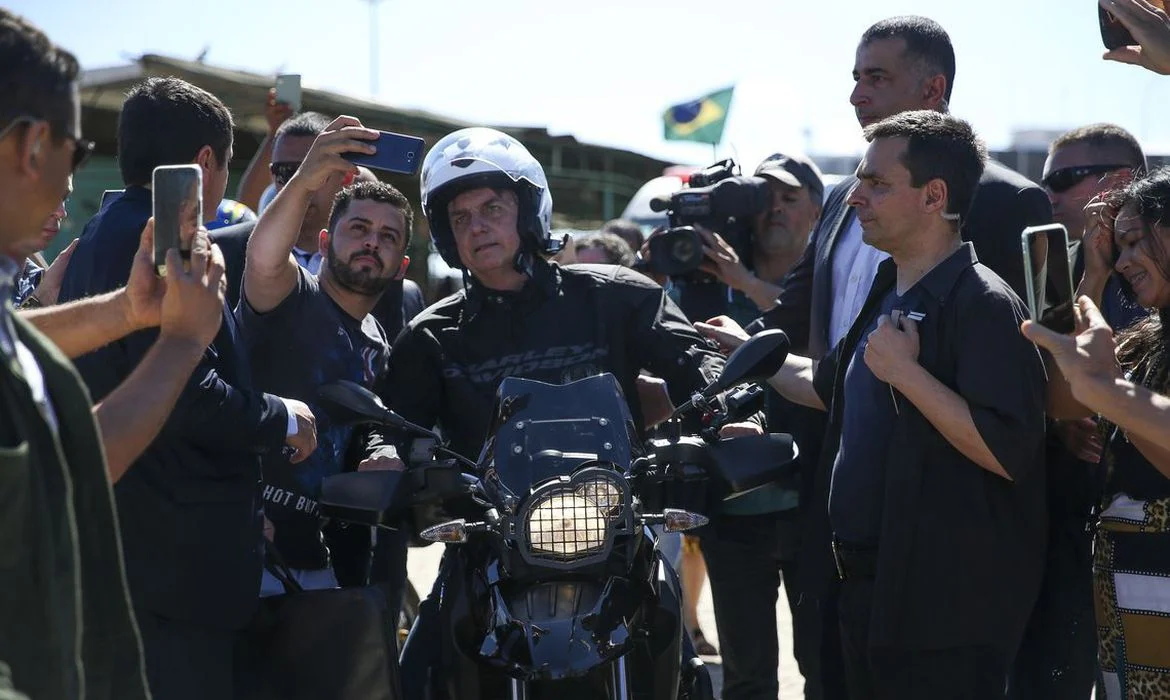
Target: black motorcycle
557, 589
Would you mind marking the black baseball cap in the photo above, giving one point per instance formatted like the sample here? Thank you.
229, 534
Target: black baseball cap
794, 171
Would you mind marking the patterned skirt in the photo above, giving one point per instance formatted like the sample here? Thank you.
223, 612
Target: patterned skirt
1131, 577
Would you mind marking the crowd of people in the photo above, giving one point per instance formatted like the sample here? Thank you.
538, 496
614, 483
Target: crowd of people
983, 503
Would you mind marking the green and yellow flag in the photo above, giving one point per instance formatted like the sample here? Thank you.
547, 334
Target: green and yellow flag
699, 120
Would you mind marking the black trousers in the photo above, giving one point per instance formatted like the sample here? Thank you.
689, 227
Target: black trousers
356, 563
747, 558
961, 673
185, 661
1058, 657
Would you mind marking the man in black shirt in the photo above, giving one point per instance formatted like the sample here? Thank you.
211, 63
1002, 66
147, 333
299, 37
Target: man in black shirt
937, 496
304, 330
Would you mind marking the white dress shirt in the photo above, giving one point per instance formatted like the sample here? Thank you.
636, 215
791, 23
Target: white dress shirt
855, 265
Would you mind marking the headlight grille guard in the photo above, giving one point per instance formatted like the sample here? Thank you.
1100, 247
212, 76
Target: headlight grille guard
571, 521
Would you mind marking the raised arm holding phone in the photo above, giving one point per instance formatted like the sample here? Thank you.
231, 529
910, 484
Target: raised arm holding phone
1147, 24
1125, 379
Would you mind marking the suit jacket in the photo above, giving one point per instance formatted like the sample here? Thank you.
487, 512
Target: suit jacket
1005, 204
233, 243
189, 506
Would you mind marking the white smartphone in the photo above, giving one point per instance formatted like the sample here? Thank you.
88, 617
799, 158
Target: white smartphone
177, 200
288, 90
1048, 275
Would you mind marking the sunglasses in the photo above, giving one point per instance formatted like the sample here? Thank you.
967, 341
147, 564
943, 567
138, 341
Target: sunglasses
1067, 178
283, 172
82, 148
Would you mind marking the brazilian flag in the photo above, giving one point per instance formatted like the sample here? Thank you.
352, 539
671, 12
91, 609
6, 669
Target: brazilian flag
699, 120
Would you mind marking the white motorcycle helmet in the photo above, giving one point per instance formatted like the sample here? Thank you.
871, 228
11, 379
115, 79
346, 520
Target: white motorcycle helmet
481, 157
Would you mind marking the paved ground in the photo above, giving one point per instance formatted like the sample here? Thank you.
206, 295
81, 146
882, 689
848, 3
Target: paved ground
424, 562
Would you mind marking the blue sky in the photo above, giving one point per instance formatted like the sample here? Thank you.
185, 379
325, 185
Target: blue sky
604, 70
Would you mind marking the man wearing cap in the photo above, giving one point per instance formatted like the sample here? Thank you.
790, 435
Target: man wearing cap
754, 542
779, 235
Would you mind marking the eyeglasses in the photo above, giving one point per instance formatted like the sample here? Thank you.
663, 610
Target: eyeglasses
1067, 178
82, 148
283, 172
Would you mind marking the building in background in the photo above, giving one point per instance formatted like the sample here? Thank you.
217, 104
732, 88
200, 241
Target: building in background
590, 183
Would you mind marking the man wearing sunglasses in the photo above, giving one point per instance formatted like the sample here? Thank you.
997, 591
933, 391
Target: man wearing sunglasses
1082, 165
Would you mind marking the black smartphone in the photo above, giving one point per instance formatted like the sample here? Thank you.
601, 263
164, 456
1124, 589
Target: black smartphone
1113, 32
178, 209
1048, 276
397, 153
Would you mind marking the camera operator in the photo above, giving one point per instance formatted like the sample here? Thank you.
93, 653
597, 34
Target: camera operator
754, 543
779, 233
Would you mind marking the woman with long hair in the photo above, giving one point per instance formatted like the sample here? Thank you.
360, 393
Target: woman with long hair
1125, 379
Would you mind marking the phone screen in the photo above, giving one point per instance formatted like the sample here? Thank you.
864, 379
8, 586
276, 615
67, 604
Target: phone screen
1048, 274
178, 208
288, 90
396, 153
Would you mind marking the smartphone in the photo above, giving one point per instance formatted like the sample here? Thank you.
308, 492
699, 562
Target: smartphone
397, 153
1048, 276
178, 209
1113, 32
288, 90
107, 197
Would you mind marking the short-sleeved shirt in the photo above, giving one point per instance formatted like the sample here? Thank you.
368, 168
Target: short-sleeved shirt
305, 342
858, 482
961, 550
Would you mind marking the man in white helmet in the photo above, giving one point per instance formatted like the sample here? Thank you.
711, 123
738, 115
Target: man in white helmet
489, 208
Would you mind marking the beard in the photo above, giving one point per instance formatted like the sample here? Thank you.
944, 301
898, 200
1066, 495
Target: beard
358, 281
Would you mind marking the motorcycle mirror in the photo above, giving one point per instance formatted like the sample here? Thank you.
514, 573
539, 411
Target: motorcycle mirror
350, 403
755, 361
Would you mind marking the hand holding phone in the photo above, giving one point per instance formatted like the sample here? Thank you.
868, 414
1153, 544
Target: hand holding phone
328, 156
1048, 275
1136, 32
177, 200
288, 90
396, 153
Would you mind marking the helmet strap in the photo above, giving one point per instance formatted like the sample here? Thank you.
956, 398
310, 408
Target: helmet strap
523, 262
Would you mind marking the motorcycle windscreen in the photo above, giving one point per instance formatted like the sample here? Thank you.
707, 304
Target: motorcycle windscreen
544, 430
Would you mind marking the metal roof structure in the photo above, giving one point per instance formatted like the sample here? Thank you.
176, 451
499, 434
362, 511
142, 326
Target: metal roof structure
590, 183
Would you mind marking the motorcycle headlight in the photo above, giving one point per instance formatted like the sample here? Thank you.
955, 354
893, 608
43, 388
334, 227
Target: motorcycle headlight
569, 522
566, 525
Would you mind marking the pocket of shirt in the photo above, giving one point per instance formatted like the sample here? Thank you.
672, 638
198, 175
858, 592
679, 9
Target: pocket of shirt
15, 492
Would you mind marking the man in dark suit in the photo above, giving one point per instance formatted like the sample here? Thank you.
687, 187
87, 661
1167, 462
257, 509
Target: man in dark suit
189, 507
233, 243
902, 64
